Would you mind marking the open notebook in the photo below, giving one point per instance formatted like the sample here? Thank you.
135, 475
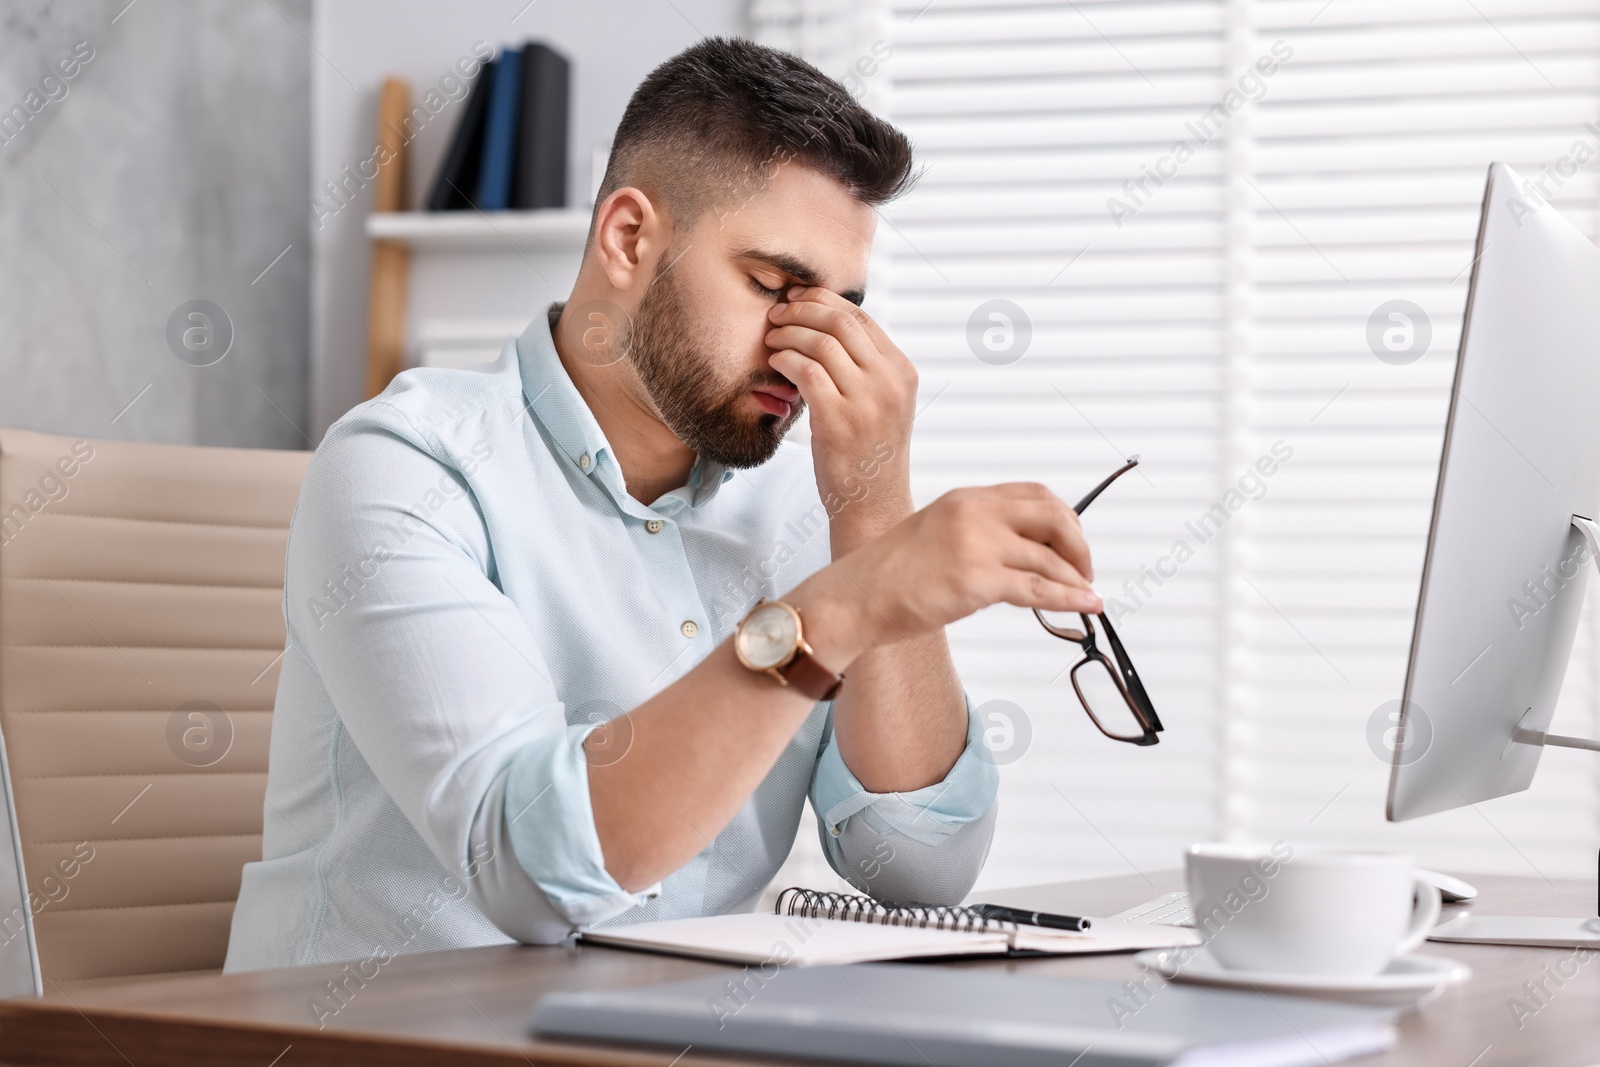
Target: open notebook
811, 927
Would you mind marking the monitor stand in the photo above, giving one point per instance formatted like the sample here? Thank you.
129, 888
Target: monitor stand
1521, 735
1536, 931
1540, 931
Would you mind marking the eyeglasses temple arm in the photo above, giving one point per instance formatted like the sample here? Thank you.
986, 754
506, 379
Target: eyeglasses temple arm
1133, 461
1130, 677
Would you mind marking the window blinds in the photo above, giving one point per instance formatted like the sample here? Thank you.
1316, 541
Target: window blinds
1185, 215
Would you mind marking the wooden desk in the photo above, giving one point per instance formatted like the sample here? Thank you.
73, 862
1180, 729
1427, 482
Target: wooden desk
469, 1007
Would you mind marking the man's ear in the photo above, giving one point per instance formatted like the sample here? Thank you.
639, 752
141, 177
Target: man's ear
629, 237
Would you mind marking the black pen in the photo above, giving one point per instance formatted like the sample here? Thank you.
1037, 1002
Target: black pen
1031, 918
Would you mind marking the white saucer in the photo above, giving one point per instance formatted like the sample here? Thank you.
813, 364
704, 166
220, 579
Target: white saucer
1409, 982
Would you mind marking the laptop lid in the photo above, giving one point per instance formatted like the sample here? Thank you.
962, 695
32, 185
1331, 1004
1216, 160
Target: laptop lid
895, 1015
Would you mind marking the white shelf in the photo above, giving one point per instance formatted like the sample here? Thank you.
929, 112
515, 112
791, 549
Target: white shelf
552, 229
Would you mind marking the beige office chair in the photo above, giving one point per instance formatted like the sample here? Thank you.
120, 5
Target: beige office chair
141, 627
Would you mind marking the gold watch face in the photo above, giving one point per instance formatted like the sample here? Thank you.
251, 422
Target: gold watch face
767, 636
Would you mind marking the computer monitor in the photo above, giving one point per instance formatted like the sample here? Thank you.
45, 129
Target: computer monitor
1506, 568
19, 956
1513, 533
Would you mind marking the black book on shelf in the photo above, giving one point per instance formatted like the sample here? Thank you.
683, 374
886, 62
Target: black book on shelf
457, 182
540, 179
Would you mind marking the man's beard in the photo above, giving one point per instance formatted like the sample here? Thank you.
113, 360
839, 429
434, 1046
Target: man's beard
681, 380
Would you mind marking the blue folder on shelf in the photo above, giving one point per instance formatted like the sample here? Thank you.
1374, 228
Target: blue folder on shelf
500, 132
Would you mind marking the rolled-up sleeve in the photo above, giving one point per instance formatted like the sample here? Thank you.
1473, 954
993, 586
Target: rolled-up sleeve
441, 685
926, 846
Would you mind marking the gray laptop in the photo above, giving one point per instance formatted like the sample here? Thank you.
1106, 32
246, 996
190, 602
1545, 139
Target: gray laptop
19, 956
932, 1016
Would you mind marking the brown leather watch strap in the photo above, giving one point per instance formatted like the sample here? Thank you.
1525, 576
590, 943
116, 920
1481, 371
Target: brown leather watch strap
806, 675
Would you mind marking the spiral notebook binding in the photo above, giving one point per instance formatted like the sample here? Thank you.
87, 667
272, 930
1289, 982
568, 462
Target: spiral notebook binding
850, 907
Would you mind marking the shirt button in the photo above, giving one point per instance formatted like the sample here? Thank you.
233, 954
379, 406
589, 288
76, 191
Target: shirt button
655, 525
689, 628
584, 462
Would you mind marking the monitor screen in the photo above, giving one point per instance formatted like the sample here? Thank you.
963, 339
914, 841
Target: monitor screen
1505, 571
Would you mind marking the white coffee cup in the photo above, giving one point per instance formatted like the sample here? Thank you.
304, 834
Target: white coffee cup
1300, 910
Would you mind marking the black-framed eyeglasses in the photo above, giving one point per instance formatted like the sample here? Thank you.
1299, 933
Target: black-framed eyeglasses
1107, 686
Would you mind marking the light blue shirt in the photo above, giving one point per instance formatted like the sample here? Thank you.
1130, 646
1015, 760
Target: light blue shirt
469, 591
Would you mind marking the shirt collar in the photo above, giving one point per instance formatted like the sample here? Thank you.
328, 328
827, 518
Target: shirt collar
558, 406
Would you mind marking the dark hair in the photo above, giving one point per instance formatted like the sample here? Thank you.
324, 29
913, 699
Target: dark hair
718, 116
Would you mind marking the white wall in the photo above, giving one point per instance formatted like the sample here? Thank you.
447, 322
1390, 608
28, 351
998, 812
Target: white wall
168, 168
612, 45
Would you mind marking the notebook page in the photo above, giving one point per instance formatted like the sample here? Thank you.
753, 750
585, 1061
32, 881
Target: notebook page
759, 938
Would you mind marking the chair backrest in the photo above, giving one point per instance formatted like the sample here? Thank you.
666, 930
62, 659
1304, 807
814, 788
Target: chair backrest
141, 628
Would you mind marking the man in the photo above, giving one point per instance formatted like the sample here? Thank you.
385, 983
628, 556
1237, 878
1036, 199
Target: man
487, 568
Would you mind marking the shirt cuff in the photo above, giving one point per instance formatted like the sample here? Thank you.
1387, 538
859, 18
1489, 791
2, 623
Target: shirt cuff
929, 814
551, 827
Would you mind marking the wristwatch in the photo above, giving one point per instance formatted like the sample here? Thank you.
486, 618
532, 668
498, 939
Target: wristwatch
771, 639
